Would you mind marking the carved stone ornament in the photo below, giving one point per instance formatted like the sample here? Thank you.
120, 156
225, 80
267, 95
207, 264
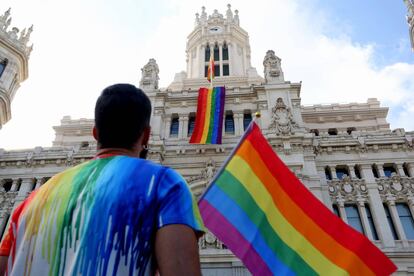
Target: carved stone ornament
150, 76
272, 68
210, 241
395, 187
282, 122
348, 190
209, 170
29, 159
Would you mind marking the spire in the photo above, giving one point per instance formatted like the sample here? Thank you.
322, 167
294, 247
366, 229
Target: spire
410, 8
5, 20
236, 18
229, 13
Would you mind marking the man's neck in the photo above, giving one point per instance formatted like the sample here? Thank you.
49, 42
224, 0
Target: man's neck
108, 152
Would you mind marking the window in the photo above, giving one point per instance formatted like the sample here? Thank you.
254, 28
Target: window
375, 171
205, 71
216, 53
191, 124
328, 173
341, 172
371, 223
406, 170
357, 171
217, 70
207, 55
225, 52
7, 184
389, 169
226, 70
406, 219
349, 130
336, 210
174, 126
229, 123
3, 65
315, 131
354, 218
247, 118
332, 131
390, 222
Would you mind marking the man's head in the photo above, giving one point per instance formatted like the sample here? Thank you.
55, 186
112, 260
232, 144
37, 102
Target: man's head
122, 116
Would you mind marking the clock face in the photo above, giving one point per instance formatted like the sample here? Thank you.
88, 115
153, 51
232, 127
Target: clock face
215, 30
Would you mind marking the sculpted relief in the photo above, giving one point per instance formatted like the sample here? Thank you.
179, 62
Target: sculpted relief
272, 67
282, 122
150, 76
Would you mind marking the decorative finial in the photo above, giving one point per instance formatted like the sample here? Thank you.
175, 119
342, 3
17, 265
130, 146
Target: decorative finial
236, 17
257, 114
229, 13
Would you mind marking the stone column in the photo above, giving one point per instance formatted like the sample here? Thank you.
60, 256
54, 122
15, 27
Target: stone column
15, 185
341, 206
377, 209
380, 168
364, 219
221, 58
241, 125
400, 169
25, 188
352, 171
237, 127
333, 172
180, 127
184, 119
167, 127
410, 167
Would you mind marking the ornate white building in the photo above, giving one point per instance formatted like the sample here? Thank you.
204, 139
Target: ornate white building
410, 19
346, 154
14, 57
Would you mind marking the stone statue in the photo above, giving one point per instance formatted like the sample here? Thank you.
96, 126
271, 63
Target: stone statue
5, 20
229, 13
149, 79
13, 33
203, 16
209, 170
236, 17
282, 122
197, 20
272, 68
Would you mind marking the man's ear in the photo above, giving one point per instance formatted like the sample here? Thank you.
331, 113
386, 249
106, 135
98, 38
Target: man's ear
146, 135
95, 133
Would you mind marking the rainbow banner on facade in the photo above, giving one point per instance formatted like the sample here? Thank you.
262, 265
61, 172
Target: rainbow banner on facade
209, 118
259, 209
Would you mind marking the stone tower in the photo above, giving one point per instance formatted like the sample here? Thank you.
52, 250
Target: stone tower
14, 57
410, 20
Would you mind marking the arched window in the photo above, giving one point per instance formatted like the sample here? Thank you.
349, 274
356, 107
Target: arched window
389, 169
247, 118
406, 219
191, 124
341, 171
229, 123
3, 65
207, 54
406, 170
225, 52
328, 173
375, 170
216, 52
357, 170
174, 126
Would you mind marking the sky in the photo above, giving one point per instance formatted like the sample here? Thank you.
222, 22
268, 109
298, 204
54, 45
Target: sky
342, 51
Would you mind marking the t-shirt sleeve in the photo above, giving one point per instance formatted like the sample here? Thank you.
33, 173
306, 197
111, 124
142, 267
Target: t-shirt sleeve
176, 203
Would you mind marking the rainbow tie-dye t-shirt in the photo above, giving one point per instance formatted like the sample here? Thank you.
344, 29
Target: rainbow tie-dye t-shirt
98, 218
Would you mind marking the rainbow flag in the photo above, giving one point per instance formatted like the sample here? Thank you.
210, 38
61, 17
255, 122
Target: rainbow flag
210, 69
268, 218
209, 117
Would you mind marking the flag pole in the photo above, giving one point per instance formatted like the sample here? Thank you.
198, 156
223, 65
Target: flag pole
211, 69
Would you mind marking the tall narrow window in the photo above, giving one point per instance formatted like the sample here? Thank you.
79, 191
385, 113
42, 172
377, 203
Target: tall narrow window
389, 169
216, 53
375, 170
207, 54
205, 71
406, 170
247, 118
406, 219
226, 70
3, 65
357, 171
354, 218
371, 222
217, 70
225, 52
191, 124
390, 222
174, 126
229, 123
336, 210
328, 173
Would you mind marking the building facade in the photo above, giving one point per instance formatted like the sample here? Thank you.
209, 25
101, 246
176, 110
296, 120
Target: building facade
346, 154
14, 57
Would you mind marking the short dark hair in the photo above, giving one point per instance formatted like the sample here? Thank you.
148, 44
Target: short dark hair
122, 112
